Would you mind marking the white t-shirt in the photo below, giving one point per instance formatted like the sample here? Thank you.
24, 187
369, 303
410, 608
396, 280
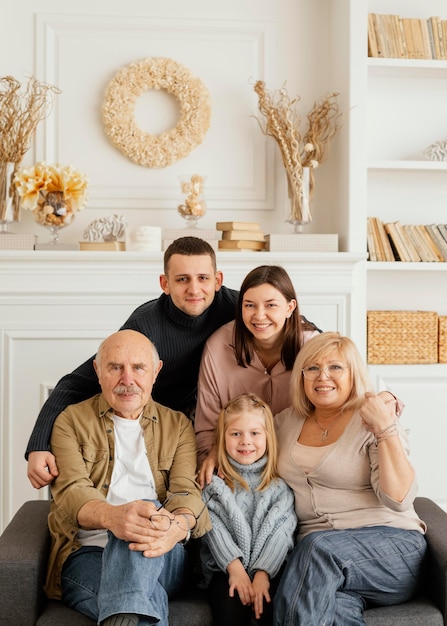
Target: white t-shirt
132, 477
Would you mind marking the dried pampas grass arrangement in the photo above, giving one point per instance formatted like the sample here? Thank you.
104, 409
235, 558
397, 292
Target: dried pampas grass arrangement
22, 107
299, 148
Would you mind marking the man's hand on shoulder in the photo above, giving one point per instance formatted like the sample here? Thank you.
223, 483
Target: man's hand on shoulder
42, 468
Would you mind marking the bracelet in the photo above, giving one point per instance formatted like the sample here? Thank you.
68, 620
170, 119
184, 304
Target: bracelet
384, 430
184, 541
386, 433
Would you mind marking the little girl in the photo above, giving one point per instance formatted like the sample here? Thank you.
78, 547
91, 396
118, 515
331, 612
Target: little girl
253, 516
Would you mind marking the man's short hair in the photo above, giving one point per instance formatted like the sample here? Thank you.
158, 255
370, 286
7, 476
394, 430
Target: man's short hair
189, 246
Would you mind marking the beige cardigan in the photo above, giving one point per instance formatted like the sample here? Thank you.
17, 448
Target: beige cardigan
343, 490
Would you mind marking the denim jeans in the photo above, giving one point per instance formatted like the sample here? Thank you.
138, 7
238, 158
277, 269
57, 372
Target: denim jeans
103, 582
332, 576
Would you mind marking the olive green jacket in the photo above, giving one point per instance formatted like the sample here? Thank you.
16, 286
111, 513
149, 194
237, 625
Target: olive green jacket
84, 446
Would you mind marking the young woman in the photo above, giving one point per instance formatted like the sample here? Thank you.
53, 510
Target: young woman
254, 353
252, 513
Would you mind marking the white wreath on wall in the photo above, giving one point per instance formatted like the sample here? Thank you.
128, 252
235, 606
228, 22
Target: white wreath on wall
118, 111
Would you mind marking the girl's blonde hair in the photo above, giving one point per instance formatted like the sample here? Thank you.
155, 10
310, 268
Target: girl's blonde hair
247, 403
314, 350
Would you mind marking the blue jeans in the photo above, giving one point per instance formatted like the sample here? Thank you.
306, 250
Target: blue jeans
103, 582
332, 576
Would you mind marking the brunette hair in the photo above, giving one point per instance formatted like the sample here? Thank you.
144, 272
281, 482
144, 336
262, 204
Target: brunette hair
293, 326
315, 349
241, 406
189, 246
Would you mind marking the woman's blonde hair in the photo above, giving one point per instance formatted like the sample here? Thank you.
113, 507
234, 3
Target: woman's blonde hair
247, 403
316, 349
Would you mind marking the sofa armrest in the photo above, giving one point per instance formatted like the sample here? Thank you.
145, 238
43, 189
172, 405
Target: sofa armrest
436, 576
24, 548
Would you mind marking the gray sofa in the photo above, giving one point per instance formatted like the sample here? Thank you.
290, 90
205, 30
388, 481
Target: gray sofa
24, 549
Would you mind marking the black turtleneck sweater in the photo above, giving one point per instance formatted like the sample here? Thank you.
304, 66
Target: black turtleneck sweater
179, 339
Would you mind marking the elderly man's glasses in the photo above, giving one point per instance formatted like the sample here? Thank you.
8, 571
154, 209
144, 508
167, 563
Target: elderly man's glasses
333, 371
161, 521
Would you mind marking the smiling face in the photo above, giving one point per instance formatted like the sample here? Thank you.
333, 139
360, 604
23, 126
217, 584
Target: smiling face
126, 366
191, 281
325, 392
264, 312
245, 438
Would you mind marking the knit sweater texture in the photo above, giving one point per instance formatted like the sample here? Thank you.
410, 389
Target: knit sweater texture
179, 339
256, 527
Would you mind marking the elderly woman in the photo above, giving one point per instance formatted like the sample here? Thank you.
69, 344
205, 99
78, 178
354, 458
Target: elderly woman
342, 451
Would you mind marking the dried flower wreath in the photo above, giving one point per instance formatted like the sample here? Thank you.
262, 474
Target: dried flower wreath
171, 145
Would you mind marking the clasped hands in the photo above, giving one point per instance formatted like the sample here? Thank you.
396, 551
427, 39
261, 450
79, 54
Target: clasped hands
132, 523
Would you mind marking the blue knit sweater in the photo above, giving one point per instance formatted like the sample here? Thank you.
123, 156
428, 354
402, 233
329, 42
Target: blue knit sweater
256, 527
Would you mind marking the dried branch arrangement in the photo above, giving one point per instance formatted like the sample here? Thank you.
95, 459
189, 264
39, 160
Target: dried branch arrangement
22, 107
298, 148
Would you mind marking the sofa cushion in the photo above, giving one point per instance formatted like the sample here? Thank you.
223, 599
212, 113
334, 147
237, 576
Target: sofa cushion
418, 612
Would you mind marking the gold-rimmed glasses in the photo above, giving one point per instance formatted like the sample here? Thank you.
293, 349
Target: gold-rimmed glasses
161, 521
334, 371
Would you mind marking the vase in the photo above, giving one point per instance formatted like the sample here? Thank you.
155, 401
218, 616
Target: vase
53, 213
193, 206
299, 187
8, 204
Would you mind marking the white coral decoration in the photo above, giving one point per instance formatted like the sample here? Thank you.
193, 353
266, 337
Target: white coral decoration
436, 151
106, 228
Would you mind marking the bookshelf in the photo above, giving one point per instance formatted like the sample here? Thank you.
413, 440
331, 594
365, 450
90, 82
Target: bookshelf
404, 114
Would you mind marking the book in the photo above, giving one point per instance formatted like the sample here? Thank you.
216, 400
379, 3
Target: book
427, 42
102, 246
443, 230
396, 242
247, 235
407, 242
373, 50
412, 235
438, 256
408, 35
370, 240
381, 35
416, 28
237, 226
442, 31
427, 255
436, 30
380, 252
438, 239
386, 251
240, 244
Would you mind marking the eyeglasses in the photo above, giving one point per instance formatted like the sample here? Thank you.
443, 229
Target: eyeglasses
161, 521
332, 371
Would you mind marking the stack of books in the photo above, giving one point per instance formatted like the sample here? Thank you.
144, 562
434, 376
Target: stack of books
392, 36
393, 241
240, 236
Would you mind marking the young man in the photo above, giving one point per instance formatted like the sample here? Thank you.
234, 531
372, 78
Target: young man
194, 303
121, 456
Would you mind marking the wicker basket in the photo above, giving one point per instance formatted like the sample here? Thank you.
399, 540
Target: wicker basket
402, 337
442, 340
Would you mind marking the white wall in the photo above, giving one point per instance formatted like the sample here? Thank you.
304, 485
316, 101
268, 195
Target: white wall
80, 47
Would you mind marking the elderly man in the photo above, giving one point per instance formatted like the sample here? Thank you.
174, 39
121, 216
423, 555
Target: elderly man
125, 501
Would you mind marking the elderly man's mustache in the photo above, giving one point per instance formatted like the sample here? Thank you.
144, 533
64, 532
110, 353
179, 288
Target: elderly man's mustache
123, 389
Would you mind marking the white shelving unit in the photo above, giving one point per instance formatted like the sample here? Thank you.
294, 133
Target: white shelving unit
405, 113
